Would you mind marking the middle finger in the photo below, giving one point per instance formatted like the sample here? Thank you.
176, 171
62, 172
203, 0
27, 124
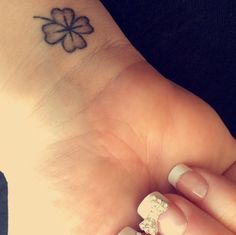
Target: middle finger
180, 218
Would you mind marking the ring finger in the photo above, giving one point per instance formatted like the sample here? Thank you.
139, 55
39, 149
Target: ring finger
180, 217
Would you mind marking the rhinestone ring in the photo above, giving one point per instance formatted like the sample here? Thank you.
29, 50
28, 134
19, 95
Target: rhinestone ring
157, 207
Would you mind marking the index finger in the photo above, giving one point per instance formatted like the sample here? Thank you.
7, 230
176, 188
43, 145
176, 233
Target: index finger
181, 218
213, 193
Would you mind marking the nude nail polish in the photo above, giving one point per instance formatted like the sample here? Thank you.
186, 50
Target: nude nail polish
160, 216
128, 231
188, 181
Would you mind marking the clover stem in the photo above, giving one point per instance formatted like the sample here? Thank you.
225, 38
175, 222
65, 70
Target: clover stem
42, 18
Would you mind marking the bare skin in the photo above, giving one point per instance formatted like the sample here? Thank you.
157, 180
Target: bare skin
87, 135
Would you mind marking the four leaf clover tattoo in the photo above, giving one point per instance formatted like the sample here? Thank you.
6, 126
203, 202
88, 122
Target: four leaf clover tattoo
66, 28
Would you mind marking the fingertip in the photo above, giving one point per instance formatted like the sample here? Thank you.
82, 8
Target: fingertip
189, 182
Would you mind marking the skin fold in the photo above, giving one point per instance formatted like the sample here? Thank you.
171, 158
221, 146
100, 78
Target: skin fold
86, 135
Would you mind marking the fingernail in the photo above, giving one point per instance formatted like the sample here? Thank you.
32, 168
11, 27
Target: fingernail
161, 216
128, 231
188, 181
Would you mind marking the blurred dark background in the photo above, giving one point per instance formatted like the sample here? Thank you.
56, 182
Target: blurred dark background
3, 205
191, 42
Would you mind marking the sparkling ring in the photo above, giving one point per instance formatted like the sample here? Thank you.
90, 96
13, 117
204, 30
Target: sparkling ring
157, 207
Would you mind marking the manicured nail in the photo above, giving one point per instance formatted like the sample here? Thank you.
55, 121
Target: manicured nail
188, 181
161, 216
129, 231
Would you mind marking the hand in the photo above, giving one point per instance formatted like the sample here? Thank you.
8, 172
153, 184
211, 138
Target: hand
85, 136
213, 211
132, 134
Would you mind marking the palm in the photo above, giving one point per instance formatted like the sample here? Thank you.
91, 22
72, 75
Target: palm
129, 145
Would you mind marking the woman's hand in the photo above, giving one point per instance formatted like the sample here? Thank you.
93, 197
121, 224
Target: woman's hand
84, 136
212, 211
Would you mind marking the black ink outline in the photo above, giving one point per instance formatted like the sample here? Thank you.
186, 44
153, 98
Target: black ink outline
45, 35
86, 22
75, 48
62, 11
67, 28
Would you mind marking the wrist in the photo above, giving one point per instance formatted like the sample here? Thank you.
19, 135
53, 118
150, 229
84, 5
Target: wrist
34, 66
54, 83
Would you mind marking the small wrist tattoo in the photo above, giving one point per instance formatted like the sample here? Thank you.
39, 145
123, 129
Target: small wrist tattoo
66, 28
